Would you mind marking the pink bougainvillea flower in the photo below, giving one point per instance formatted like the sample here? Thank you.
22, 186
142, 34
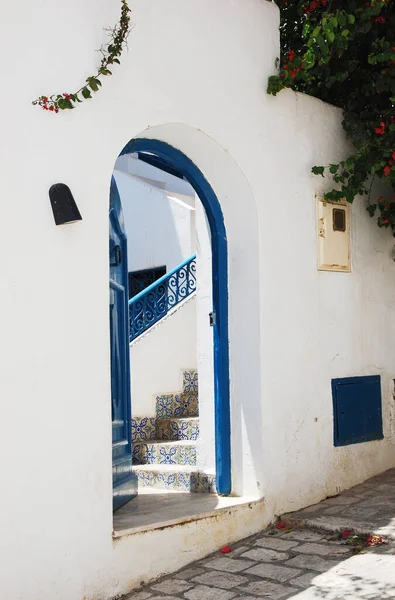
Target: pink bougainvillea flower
346, 533
374, 540
226, 550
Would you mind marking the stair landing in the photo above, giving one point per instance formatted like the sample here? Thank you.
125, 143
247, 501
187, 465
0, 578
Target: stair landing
156, 509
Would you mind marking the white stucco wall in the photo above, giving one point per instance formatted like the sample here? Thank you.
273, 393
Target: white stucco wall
291, 328
158, 358
158, 228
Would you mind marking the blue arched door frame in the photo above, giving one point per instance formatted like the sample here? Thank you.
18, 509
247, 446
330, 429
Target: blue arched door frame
179, 162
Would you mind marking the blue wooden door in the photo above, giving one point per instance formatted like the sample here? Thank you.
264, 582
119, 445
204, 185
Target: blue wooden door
124, 481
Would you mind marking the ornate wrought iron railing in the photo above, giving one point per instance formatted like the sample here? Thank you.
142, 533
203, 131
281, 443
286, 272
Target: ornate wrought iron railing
152, 304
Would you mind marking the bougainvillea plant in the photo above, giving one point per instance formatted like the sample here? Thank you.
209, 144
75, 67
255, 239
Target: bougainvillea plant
110, 56
343, 52
361, 541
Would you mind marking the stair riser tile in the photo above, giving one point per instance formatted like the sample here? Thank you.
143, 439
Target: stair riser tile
177, 405
143, 429
148, 454
173, 429
169, 481
206, 484
187, 482
190, 381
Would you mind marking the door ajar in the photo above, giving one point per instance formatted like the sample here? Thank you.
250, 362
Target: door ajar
124, 481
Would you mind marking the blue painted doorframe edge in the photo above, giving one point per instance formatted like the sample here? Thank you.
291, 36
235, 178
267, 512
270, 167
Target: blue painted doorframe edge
178, 161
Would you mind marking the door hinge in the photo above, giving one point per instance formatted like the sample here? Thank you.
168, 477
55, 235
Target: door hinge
213, 319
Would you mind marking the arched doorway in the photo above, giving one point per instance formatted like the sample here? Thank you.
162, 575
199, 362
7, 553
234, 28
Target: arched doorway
172, 158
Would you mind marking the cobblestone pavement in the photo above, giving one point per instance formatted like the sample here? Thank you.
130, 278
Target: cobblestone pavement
304, 563
366, 508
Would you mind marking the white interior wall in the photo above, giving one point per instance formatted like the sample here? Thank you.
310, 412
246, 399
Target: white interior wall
157, 227
130, 163
158, 358
291, 328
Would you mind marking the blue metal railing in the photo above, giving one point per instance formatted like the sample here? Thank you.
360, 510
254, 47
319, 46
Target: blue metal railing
152, 304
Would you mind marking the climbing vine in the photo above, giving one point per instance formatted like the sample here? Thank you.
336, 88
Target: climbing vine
111, 54
343, 52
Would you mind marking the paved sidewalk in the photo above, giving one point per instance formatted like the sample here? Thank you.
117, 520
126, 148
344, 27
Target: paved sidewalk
311, 561
366, 508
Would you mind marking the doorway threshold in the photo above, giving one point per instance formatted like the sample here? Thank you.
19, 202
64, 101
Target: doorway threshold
157, 509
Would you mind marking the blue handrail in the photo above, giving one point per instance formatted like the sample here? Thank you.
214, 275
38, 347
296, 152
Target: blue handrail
152, 304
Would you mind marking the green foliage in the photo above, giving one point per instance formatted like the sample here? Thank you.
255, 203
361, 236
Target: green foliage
343, 52
110, 56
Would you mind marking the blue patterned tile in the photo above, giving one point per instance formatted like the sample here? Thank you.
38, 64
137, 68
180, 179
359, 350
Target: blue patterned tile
168, 456
136, 450
188, 481
165, 405
143, 429
206, 484
194, 431
165, 453
147, 479
178, 429
177, 405
187, 455
190, 382
186, 405
167, 480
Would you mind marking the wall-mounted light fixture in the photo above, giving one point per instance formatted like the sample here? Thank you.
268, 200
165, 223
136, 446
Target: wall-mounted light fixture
64, 207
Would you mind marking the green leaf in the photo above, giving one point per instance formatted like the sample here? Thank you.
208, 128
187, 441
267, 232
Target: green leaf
92, 84
322, 44
309, 59
86, 93
331, 36
318, 170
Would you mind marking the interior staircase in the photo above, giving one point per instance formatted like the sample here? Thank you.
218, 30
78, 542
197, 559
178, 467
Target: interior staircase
164, 446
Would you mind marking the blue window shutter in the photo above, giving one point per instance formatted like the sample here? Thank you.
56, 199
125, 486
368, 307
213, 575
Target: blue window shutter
357, 410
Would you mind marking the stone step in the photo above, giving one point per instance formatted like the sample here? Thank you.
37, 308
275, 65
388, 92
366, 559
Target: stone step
165, 453
174, 477
177, 405
177, 428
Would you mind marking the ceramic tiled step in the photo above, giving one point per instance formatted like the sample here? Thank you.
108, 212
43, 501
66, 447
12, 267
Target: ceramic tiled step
165, 453
190, 381
177, 428
177, 405
174, 477
143, 429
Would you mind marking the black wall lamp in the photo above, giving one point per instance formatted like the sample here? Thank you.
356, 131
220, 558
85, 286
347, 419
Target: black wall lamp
64, 207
